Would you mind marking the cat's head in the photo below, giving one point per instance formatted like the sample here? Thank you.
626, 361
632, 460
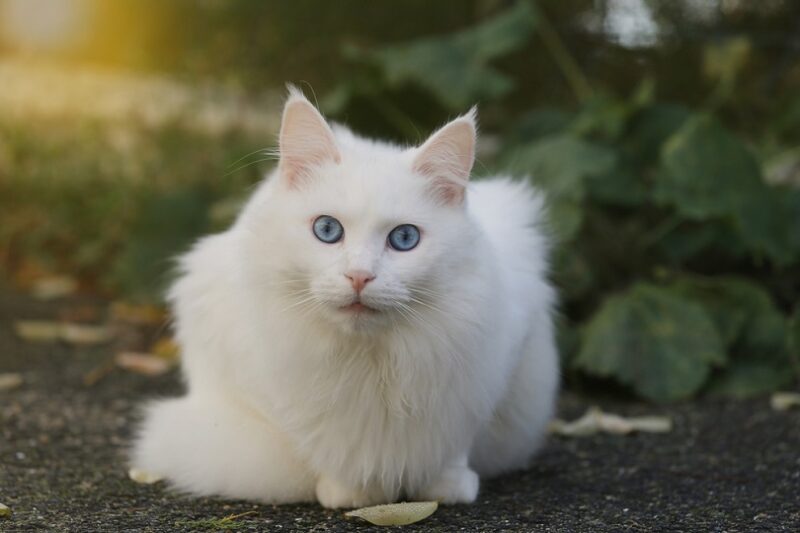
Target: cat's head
359, 233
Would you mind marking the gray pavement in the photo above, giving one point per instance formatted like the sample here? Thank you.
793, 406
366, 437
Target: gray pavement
727, 466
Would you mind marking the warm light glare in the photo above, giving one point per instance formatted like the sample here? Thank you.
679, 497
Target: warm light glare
42, 24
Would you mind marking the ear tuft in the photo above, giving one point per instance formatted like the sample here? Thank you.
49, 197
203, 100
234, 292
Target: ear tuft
447, 157
306, 140
294, 92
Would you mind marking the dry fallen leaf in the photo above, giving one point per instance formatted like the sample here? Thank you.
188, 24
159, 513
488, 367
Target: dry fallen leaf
94, 376
137, 314
395, 514
143, 363
47, 331
651, 424
81, 334
53, 287
5, 511
10, 380
82, 313
144, 477
783, 401
38, 330
596, 421
166, 348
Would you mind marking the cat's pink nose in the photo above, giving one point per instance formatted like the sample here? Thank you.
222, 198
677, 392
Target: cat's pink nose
359, 279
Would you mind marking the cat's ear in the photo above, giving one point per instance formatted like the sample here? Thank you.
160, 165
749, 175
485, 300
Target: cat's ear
306, 140
447, 157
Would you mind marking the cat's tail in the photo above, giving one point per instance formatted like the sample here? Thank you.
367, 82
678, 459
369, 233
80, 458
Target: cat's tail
210, 447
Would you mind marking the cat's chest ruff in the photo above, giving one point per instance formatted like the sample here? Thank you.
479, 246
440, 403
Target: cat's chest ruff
374, 416
379, 382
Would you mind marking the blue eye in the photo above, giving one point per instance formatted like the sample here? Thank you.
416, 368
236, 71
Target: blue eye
404, 238
328, 229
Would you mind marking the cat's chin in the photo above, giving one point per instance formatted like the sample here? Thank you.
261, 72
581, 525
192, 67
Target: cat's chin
358, 318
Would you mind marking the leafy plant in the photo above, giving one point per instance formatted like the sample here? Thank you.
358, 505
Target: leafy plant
456, 68
678, 263
74, 202
648, 337
677, 225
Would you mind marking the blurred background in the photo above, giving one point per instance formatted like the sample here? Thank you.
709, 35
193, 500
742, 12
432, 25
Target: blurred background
665, 132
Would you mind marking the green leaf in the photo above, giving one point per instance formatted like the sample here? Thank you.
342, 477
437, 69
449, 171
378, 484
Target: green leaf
742, 311
568, 340
604, 115
559, 165
572, 273
620, 186
696, 238
650, 129
335, 102
538, 123
165, 226
764, 333
653, 340
705, 170
743, 378
753, 329
707, 173
565, 217
794, 331
762, 222
455, 67
791, 199
609, 116
723, 61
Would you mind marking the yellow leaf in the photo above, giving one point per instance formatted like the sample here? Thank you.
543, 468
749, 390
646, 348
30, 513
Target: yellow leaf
10, 380
143, 363
38, 330
47, 331
53, 287
597, 421
166, 348
395, 514
137, 314
143, 476
783, 401
83, 334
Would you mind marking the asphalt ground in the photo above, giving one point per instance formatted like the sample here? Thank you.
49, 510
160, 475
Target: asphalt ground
727, 465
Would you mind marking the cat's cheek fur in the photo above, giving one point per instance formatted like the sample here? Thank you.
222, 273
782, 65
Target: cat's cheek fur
285, 404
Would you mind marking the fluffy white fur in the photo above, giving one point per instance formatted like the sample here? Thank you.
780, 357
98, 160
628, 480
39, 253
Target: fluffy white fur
291, 397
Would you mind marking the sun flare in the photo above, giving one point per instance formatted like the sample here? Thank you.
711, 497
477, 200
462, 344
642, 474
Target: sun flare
42, 25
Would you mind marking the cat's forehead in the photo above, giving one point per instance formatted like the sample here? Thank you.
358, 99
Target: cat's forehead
372, 188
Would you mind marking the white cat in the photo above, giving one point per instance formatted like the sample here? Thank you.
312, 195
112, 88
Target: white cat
372, 327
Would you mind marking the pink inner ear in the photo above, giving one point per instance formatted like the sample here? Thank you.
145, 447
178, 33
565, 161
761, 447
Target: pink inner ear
450, 194
297, 169
445, 187
306, 140
447, 159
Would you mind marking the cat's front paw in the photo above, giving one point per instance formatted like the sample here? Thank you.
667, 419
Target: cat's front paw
334, 495
455, 485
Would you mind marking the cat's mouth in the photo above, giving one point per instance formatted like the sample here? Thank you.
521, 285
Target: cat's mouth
358, 307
